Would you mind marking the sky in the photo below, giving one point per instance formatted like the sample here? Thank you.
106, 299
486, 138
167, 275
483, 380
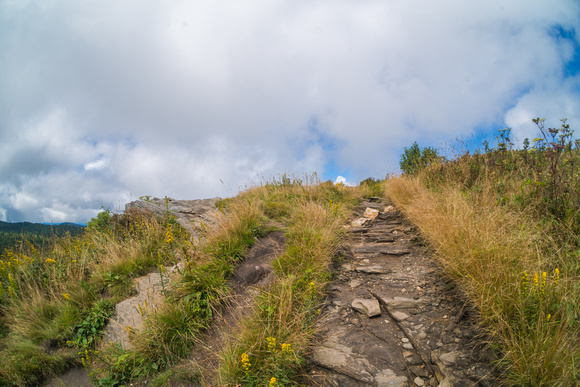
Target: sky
102, 102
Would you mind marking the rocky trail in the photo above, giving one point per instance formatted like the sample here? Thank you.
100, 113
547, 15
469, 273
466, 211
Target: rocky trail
392, 319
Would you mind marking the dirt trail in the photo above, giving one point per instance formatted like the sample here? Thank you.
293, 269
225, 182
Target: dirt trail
392, 319
253, 274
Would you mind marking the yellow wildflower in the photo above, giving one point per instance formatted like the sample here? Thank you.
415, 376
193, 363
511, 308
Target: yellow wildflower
286, 348
66, 296
525, 280
535, 281
169, 236
556, 276
245, 362
543, 286
549, 316
271, 343
273, 382
50, 260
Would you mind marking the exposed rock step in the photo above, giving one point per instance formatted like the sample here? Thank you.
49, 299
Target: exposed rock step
392, 319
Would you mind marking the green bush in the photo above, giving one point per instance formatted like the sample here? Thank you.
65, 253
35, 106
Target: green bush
415, 159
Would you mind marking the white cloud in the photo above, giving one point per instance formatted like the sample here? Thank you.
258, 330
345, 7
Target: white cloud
342, 180
109, 100
96, 165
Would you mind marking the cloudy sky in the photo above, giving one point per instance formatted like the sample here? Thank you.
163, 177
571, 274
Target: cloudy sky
105, 101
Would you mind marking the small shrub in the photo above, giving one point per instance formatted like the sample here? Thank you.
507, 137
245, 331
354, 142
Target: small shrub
414, 159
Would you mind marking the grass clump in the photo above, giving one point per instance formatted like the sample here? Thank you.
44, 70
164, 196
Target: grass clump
503, 223
270, 348
191, 297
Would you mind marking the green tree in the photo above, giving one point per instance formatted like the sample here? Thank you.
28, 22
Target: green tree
414, 158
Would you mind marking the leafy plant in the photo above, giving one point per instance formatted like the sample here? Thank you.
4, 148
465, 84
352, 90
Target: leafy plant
90, 330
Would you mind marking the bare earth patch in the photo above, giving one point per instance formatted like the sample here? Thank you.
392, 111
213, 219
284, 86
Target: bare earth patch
254, 273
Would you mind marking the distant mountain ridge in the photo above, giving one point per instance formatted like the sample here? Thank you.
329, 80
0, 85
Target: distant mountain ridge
37, 233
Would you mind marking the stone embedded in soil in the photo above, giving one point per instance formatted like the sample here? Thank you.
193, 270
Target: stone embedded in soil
449, 358
358, 222
370, 307
129, 313
347, 267
381, 249
403, 302
341, 359
373, 269
400, 316
388, 378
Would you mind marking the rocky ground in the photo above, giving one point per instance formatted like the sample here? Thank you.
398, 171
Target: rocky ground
392, 319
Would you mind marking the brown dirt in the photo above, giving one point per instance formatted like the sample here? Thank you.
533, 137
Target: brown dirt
254, 273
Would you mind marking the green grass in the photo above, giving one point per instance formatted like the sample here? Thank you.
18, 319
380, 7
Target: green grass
54, 304
57, 301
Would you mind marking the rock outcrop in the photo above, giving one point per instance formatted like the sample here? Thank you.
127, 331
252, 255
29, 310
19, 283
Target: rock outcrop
191, 214
130, 313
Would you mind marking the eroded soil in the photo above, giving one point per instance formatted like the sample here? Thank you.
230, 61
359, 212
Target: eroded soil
253, 274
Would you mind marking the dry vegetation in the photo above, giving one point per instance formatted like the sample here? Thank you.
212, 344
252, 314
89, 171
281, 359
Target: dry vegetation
505, 224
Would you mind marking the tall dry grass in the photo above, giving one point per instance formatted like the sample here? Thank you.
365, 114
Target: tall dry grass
271, 344
508, 267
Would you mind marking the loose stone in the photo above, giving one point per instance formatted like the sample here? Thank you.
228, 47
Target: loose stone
370, 307
449, 358
371, 213
355, 283
400, 316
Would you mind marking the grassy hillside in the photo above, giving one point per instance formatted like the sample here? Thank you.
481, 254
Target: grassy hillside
55, 304
505, 224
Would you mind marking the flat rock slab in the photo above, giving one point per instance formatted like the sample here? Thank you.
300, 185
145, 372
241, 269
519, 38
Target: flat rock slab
191, 214
381, 249
373, 269
403, 302
130, 313
355, 360
340, 358
370, 307
400, 316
